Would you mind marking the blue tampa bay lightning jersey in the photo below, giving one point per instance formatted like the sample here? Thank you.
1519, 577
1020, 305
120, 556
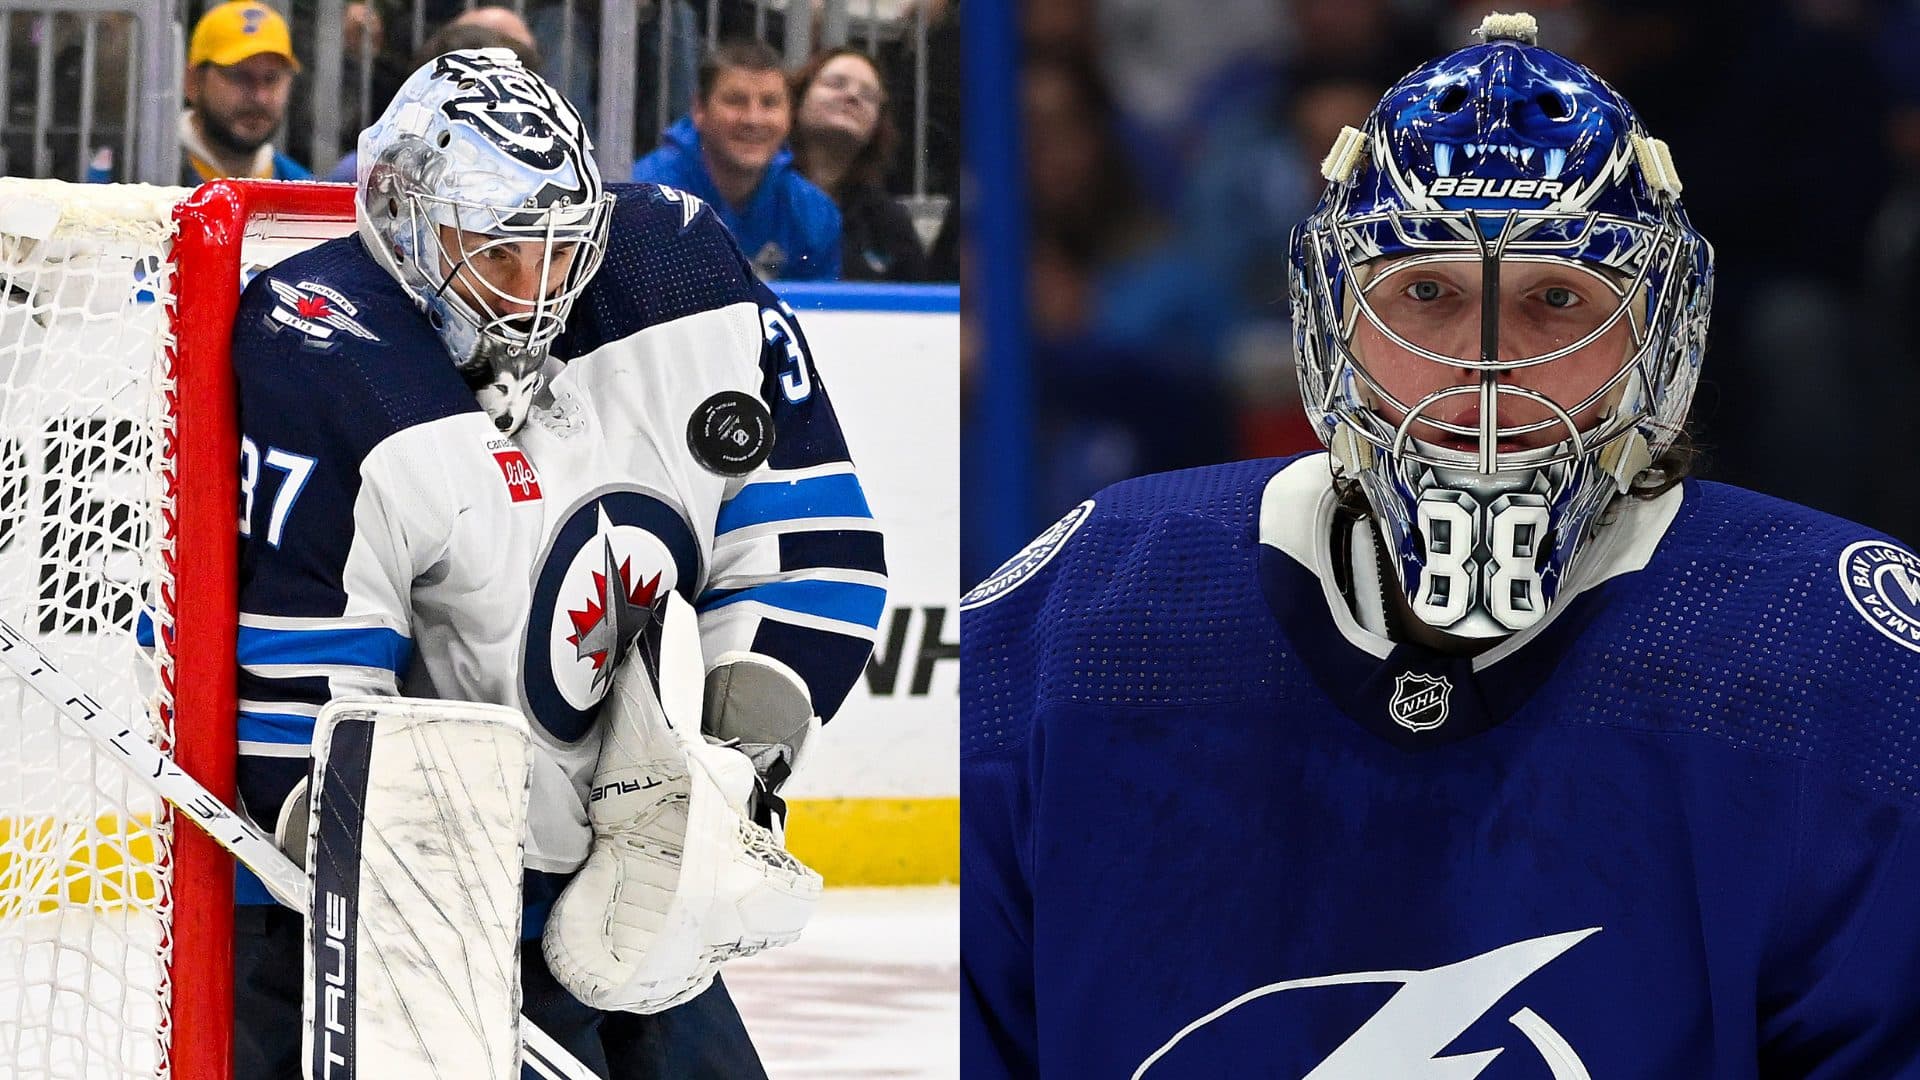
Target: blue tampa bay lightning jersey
396, 542
1215, 823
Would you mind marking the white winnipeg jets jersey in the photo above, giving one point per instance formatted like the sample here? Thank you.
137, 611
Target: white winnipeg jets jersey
395, 542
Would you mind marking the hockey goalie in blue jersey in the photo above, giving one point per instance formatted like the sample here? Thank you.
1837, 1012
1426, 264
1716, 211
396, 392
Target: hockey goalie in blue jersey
485, 440
1486, 743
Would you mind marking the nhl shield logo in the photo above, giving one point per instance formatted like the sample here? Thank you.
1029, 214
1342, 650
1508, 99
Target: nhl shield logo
1420, 701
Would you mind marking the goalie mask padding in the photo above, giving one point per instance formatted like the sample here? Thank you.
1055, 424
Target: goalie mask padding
414, 849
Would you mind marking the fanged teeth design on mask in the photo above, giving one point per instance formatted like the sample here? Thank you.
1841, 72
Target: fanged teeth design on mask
1522, 156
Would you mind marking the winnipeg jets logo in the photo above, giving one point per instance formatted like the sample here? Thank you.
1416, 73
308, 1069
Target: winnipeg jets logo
1420, 701
1407, 1037
1882, 581
600, 592
619, 611
317, 311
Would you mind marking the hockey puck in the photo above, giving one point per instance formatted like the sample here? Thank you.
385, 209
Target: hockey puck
731, 433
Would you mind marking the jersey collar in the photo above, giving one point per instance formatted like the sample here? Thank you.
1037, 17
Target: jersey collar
1410, 695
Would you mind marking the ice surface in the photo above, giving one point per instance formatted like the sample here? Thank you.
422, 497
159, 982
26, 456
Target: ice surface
870, 991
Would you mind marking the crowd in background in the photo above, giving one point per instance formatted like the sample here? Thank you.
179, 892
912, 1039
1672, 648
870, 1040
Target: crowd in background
805, 165
1171, 147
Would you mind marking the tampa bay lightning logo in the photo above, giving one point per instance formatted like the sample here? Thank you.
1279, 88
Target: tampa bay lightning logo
1882, 582
599, 594
1030, 559
1408, 1036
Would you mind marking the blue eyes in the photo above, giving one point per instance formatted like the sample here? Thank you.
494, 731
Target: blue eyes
1554, 296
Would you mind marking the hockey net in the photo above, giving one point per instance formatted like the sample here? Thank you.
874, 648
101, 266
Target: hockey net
118, 526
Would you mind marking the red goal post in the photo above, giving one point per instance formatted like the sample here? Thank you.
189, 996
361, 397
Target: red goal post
211, 227
119, 497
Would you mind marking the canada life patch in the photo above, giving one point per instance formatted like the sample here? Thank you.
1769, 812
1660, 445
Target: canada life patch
1882, 581
523, 484
1030, 559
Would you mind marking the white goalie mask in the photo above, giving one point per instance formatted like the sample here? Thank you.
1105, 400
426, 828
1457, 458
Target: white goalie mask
478, 192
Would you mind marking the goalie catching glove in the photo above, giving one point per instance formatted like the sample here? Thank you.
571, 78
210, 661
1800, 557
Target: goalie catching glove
679, 880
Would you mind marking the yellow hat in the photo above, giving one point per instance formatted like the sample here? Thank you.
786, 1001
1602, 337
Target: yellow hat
234, 31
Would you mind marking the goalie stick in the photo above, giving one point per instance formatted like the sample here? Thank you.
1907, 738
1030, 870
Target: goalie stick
242, 838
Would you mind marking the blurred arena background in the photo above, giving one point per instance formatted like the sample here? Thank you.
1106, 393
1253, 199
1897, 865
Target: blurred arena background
90, 89
1167, 148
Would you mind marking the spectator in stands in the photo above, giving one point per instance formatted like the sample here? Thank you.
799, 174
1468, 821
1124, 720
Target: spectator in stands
481, 28
240, 69
731, 151
500, 20
843, 141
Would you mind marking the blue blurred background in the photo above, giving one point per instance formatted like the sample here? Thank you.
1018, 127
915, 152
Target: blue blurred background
1137, 164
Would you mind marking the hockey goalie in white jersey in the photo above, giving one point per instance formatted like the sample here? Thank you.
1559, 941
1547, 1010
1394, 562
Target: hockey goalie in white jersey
484, 441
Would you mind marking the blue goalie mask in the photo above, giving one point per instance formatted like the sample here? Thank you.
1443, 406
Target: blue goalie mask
1499, 311
478, 192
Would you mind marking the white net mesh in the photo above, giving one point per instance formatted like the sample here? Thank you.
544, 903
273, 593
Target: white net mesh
88, 877
85, 882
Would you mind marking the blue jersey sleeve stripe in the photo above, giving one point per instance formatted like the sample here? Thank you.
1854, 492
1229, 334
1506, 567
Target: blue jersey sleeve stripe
372, 647
817, 497
837, 600
143, 630
275, 728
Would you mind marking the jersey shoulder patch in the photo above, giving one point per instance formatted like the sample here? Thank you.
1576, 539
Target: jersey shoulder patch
327, 339
317, 310
1881, 580
1029, 560
1797, 618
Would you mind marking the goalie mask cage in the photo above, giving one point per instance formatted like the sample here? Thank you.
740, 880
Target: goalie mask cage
119, 496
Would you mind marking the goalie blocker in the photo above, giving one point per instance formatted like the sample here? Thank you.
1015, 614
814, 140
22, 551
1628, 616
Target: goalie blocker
413, 843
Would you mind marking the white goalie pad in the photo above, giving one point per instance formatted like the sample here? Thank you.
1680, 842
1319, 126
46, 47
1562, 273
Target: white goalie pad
679, 880
418, 815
